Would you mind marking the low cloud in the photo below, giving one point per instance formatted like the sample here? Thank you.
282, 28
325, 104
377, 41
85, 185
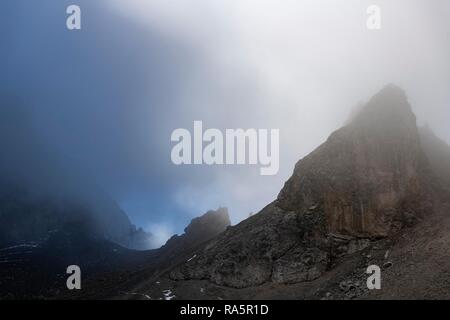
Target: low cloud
109, 97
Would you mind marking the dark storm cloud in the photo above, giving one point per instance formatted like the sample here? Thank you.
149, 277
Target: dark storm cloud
72, 102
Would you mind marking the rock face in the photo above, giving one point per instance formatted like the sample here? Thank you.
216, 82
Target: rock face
367, 175
369, 180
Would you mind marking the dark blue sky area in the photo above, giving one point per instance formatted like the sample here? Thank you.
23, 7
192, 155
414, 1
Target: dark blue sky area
94, 99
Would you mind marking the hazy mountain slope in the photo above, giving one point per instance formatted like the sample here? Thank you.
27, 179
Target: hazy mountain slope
39, 195
26, 217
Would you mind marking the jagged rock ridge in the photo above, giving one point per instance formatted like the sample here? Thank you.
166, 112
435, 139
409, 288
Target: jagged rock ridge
200, 230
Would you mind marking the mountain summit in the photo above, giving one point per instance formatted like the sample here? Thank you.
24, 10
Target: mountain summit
369, 181
370, 177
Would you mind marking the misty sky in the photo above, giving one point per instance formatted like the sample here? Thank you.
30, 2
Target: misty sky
104, 100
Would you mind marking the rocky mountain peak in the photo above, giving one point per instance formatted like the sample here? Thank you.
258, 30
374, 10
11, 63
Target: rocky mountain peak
387, 112
369, 180
201, 229
362, 177
213, 221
